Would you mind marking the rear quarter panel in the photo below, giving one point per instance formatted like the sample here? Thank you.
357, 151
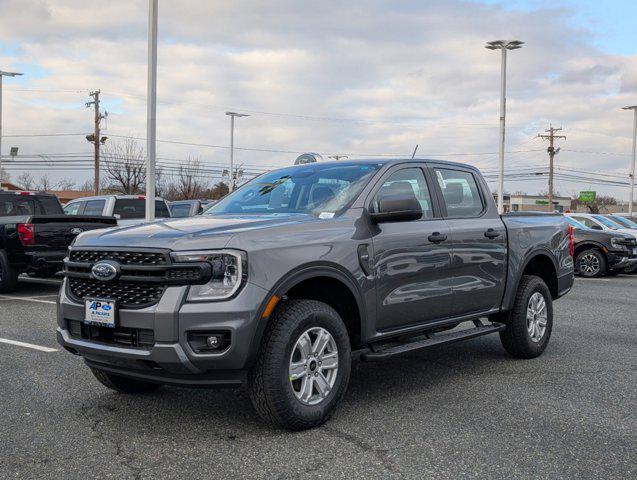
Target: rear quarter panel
531, 235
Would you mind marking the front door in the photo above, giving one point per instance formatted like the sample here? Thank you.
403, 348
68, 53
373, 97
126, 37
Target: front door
411, 259
478, 240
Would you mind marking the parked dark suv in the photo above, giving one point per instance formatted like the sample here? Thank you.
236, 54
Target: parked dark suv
278, 283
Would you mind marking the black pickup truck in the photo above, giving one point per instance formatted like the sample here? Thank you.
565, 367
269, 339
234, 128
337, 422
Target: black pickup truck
278, 283
35, 235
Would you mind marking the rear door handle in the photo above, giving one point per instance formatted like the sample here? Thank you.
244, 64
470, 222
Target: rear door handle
437, 237
491, 233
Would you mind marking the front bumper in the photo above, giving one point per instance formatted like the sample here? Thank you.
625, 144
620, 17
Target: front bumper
619, 260
171, 359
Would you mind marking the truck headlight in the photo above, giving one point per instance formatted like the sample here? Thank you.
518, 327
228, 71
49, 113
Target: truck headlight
615, 242
229, 273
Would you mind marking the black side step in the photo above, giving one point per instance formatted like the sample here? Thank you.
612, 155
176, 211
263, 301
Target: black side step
432, 340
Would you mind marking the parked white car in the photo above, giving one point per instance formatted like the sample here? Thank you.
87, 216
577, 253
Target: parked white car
128, 209
600, 222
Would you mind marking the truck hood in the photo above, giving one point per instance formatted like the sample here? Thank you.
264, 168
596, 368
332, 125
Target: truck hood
202, 231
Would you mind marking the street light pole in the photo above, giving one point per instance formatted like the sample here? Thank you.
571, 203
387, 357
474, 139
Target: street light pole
3, 74
632, 163
503, 46
151, 116
231, 176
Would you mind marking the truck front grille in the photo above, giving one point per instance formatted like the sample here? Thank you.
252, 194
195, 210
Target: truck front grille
127, 294
129, 337
143, 275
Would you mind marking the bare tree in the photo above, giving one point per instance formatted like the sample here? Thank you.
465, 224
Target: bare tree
87, 186
66, 184
191, 182
44, 184
125, 166
26, 181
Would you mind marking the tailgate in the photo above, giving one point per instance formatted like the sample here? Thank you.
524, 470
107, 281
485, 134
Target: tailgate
58, 231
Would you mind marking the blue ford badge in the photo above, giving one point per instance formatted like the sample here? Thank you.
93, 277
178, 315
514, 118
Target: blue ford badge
105, 271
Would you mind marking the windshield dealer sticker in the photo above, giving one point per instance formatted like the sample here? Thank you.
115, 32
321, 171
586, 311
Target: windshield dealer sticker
326, 215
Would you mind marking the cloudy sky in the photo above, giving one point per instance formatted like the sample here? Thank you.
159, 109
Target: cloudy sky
361, 78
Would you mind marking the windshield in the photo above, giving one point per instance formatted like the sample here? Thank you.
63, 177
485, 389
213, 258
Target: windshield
576, 224
609, 223
319, 189
624, 221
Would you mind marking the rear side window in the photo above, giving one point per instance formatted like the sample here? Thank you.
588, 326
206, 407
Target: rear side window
460, 193
135, 208
409, 181
94, 207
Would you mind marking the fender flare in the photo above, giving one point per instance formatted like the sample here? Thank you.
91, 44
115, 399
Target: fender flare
293, 278
509, 295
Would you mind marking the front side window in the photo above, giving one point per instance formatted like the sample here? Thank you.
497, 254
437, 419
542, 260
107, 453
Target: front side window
72, 208
590, 223
315, 188
135, 208
460, 193
406, 182
180, 210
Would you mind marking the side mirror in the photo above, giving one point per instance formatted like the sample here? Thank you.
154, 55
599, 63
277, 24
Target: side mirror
596, 227
117, 216
397, 208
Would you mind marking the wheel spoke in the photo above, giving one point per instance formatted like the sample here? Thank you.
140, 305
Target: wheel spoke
307, 388
305, 345
297, 370
322, 385
330, 361
320, 343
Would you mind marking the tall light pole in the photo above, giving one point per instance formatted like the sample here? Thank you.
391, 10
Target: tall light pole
3, 74
151, 109
503, 46
632, 163
232, 115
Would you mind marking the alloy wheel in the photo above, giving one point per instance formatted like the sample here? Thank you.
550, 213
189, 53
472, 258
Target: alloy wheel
536, 317
313, 366
589, 264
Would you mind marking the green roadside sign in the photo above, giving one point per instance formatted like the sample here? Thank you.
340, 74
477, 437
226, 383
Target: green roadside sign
587, 196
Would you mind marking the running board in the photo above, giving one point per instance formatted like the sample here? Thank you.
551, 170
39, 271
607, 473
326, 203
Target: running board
432, 340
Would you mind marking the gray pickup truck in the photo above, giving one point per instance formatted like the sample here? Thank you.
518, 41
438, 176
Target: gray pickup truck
276, 285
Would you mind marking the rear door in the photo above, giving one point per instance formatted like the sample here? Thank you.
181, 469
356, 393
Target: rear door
411, 260
478, 239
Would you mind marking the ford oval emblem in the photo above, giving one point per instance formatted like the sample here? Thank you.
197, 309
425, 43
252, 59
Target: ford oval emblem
77, 230
105, 271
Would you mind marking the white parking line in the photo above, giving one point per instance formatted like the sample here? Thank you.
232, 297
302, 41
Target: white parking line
27, 299
28, 345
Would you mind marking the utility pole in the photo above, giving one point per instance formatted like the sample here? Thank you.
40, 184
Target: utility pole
552, 152
632, 164
3, 74
95, 138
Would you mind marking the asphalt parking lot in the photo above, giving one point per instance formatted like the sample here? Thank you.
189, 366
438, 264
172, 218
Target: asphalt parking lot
461, 411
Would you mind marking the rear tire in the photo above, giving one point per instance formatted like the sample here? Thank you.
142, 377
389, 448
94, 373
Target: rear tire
8, 275
530, 322
296, 384
123, 384
591, 263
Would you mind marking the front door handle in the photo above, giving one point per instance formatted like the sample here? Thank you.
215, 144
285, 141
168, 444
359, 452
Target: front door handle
491, 233
437, 237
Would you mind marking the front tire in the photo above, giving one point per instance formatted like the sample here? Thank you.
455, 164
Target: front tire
303, 366
530, 322
591, 263
123, 384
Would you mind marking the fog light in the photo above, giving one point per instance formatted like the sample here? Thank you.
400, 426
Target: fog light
213, 341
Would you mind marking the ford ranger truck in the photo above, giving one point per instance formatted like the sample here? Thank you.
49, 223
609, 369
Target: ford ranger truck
276, 285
